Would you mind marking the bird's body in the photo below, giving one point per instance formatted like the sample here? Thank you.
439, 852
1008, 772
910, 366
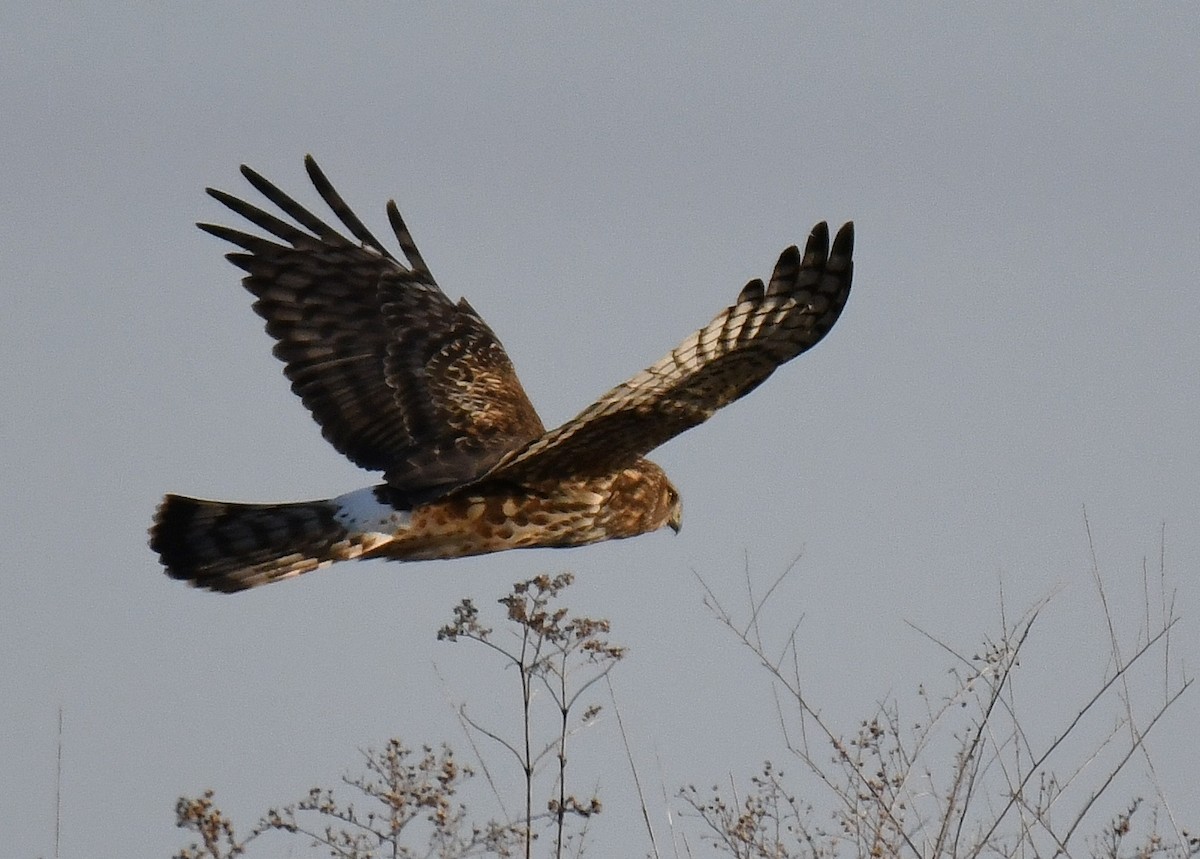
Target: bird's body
227, 546
406, 382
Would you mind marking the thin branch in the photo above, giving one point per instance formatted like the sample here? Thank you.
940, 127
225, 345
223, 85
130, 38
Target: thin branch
464, 724
1037, 765
58, 785
1133, 748
775, 671
462, 712
637, 782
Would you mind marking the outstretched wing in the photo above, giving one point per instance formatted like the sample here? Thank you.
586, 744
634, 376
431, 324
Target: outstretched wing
732, 355
400, 378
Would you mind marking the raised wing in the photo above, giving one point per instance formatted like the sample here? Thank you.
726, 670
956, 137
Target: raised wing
400, 378
767, 326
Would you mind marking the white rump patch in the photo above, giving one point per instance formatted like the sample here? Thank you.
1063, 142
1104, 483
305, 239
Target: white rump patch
361, 513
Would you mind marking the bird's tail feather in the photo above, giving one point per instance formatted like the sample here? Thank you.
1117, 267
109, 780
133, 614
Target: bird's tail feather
229, 547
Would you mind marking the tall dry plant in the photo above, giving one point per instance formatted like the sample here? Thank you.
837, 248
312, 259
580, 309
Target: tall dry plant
561, 654
405, 803
402, 806
967, 777
973, 774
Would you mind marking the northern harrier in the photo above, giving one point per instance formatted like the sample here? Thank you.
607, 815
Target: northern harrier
404, 381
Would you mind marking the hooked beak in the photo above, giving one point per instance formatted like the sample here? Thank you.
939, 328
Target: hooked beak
676, 520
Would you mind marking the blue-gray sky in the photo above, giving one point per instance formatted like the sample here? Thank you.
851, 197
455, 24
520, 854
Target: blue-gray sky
599, 181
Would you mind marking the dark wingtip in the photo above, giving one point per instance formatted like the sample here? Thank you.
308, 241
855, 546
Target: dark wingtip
817, 246
843, 243
223, 197
753, 291
260, 183
786, 269
225, 233
315, 174
415, 261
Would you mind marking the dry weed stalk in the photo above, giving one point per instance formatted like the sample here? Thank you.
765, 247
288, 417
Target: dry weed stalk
550, 650
969, 778
1004, 793
406, 806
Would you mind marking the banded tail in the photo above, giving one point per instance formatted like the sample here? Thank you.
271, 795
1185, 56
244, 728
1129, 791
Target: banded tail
230, 547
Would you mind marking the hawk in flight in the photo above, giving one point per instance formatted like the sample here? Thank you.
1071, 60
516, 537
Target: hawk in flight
403, 380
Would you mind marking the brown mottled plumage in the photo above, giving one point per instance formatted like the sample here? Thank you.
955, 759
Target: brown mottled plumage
404, 381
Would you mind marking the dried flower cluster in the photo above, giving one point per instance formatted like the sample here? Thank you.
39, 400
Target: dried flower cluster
968, 778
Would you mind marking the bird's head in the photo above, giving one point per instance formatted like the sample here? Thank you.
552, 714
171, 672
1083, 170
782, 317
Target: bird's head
642, 499
668, 506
